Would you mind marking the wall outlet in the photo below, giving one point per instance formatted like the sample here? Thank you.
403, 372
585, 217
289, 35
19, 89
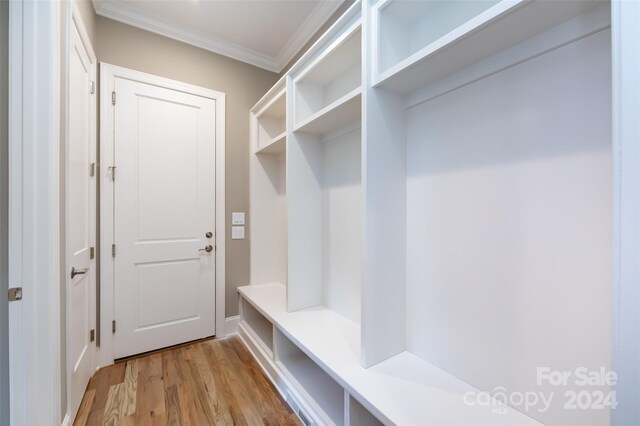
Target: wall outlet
237, 232
237, 218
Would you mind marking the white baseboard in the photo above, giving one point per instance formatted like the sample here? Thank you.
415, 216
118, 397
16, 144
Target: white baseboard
231, 325
67, 420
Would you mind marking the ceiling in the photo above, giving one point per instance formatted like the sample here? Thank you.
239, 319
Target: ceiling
264, 33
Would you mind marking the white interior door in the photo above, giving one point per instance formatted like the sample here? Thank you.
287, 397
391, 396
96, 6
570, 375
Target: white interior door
80, 219
164, 217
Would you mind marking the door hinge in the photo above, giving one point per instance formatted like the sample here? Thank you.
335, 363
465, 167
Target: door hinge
92, 169
113, 250
92, 252
113, 97
92, 335
92, 88
15, 294
113, 326
112, 170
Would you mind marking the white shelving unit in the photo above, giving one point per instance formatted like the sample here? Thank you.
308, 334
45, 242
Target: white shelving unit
419, 42
267, 169
331, 79
448, 214
324, 174
270, 123
403, 390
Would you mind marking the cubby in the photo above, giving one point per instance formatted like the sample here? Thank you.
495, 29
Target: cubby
324, 175
267, 170
258, 324
305, 374
327, 92
448, 213
488, 198
358, 415
420, 42
270, 124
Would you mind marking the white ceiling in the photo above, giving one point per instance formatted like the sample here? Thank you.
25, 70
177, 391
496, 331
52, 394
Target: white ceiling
264, 33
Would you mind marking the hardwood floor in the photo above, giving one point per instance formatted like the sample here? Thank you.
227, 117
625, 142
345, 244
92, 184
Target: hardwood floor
212, 382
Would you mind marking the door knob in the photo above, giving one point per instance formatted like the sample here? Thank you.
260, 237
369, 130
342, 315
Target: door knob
75, 271
209, 234
208, 248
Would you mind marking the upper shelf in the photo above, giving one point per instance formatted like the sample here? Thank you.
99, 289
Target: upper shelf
326, 81
428, 40
401, 390
271, 125
341, 112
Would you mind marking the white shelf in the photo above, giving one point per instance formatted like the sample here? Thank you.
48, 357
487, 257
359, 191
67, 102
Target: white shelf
358, 415
271, 123
402, 390
259, 325
343, 111
335, 73
489, 31
310, 379
276, 146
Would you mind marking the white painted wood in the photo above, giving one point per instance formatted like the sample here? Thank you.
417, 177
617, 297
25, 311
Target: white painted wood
324, 194
323, 174
34, 212
520, 192
347, 109
499, 27
335, 73
626, 235
109, 75
271, 123
406, 27
80, 208
384, 218
311, 380
358, 415
403, 390
300, 406
258, 324
267, 172
164, 205
509, 224
579, 27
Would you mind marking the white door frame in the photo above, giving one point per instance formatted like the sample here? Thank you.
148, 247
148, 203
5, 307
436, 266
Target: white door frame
625, 32
108, 74
34, 211
74, 18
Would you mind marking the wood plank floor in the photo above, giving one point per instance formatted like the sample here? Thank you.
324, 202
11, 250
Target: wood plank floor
212, 382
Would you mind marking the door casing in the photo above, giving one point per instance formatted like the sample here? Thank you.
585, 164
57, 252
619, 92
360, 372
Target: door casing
108, 74
74, 19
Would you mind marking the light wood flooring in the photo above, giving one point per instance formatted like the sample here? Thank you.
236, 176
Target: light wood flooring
211, 382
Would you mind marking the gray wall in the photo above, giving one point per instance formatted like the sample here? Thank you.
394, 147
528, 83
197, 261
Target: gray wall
4, 198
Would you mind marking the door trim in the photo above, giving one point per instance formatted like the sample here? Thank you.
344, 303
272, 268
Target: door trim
108, 74
74, 19
34, 212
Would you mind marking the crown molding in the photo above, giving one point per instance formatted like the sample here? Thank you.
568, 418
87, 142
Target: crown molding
127, 15
123, 13
323, 11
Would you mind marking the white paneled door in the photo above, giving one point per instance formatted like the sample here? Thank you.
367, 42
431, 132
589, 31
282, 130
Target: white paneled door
80, 217
164, 217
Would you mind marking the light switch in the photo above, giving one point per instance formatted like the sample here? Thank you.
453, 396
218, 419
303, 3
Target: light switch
237, 218
237, 232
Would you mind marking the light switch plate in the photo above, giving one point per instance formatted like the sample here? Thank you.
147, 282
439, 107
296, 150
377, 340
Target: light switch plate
237, 218
237, 232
